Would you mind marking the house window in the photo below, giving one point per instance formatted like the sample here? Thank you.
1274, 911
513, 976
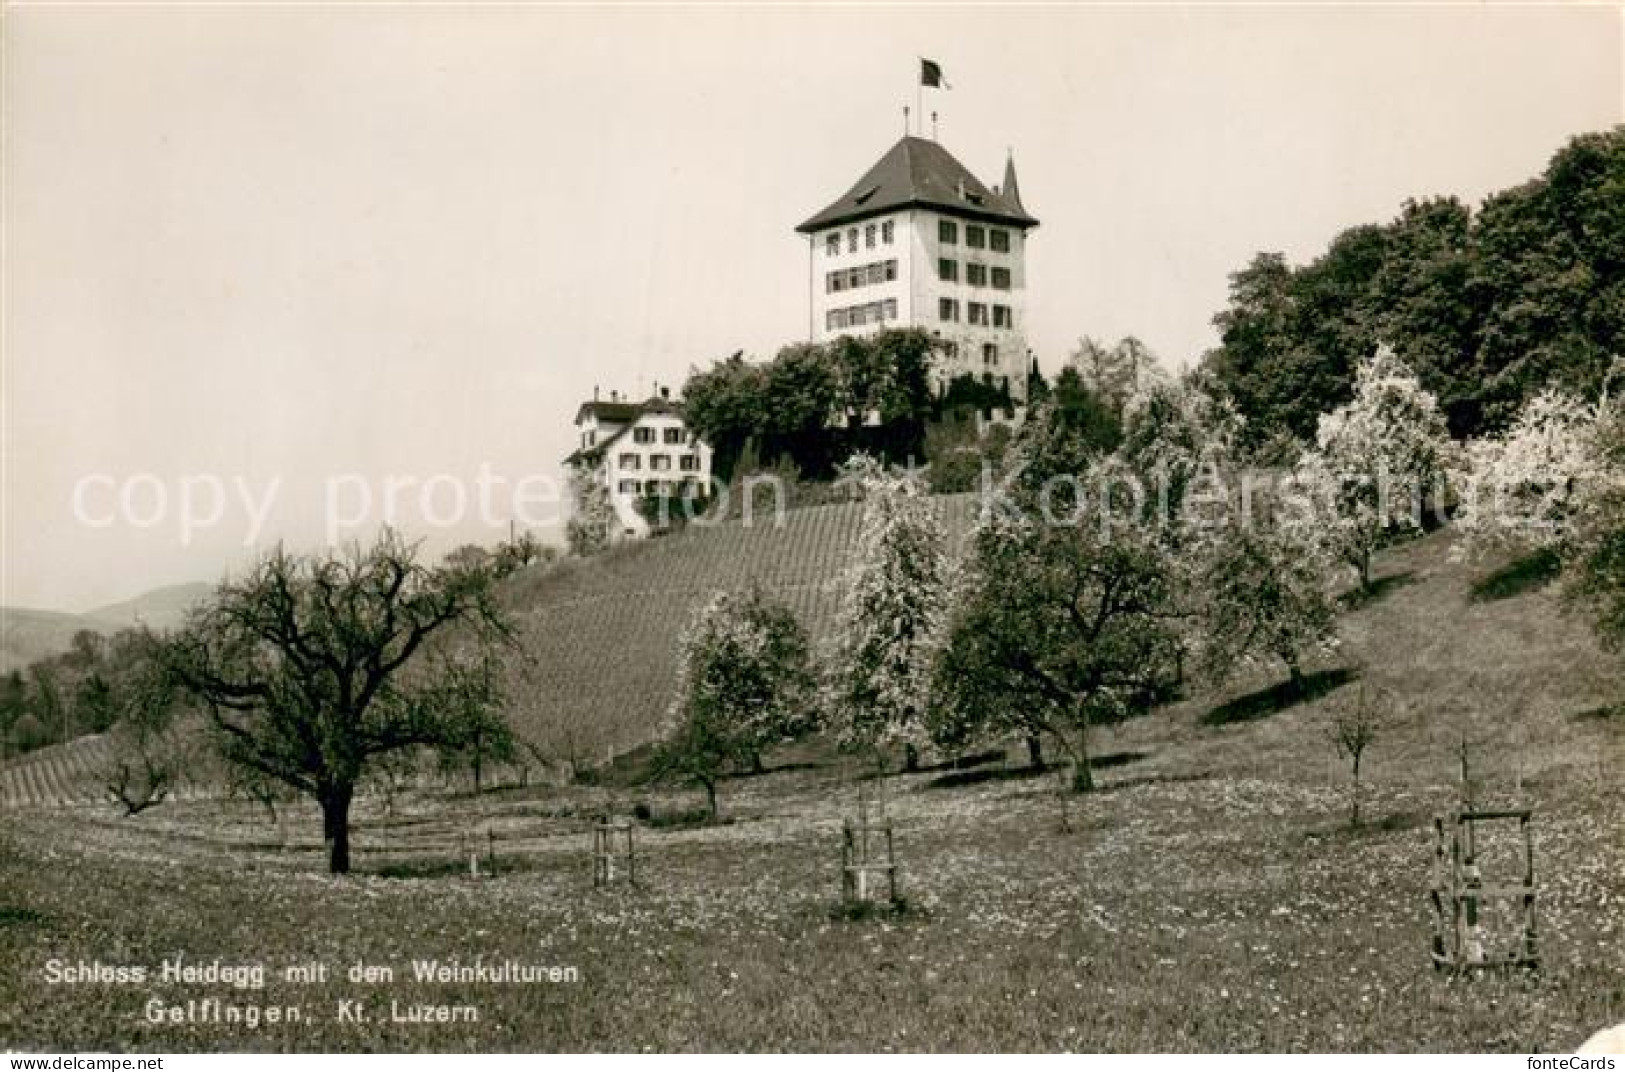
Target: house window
886, 230
891, 308
1001, 277
975, 236
852, 240
990, 354
835, 319
832, 244
672, 435
631, 461
660, 463
832, 282
891, 271
947, 232
629, 487
869, 236
976, 313
856, 277
643, 435
689, 463
976, 275
1002, 317
999, 240
948, 271
877, 273
947, 309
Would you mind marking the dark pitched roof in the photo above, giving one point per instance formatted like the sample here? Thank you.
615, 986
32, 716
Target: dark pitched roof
627, 412
609, 411
917, 171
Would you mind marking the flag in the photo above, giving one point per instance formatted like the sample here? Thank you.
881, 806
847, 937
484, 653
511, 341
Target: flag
931, 75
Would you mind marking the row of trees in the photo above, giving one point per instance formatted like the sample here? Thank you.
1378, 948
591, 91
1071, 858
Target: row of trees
1490, 307
70, 694
814, 405
1099, 578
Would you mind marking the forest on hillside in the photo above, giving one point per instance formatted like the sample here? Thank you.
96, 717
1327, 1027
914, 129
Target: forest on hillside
1488, 306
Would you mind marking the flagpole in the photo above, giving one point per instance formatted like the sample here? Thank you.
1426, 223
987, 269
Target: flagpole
919, 92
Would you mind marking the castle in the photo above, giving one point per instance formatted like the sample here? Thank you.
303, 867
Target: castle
918, 241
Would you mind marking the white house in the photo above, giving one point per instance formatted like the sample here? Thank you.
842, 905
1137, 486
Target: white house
919, 241
637, 450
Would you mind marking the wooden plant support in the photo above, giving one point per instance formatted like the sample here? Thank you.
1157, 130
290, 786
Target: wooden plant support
868, 854
1459, 892
613, 855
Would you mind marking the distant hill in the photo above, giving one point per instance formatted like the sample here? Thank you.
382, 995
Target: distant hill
161, 608
28, 635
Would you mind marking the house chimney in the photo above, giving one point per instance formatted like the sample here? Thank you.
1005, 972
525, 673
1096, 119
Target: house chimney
665, 392
595, 392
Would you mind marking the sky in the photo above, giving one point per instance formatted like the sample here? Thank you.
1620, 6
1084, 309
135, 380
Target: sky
283, 273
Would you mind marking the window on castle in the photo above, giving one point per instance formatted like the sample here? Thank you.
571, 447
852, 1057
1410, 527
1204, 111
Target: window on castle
834, 281
975, 236
976, 313
1002, 317
886, 232
947, 309
990, 354
976, 275
631, 461
835, 319
689, 463
856, 277
852, 240
672, 435
1001, 279
643, 435
947, 232
891, 309
832, 244
999, 240
891, 271
869, 236
948, 271
877, 273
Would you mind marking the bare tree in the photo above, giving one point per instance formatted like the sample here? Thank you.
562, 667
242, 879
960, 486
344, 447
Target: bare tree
1353, 725
310, 667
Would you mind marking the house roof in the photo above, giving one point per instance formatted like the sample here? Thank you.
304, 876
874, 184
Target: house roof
609, 411
627, 412
917, 171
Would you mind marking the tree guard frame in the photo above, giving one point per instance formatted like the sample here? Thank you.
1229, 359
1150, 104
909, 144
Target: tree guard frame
1459, 891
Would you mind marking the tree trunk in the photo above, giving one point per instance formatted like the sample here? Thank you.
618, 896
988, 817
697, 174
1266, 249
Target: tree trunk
1083, 775
756, 765
711, 798
1294, 676
911, 758
1354, 794
336, 828
478, 771
1035, 752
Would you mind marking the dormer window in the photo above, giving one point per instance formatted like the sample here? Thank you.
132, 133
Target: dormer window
865, 195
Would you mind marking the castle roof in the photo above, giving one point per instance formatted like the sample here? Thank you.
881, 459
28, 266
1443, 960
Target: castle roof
919, 172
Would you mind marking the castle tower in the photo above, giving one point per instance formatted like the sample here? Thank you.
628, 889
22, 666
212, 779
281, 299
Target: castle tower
919, 241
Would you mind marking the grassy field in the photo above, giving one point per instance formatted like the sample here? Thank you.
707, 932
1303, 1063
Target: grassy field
1211, 897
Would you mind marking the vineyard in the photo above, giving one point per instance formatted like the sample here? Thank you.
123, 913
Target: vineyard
599, 638
59, 774
597, 656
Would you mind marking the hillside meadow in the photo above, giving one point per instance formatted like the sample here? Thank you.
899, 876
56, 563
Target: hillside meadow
1211, 896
